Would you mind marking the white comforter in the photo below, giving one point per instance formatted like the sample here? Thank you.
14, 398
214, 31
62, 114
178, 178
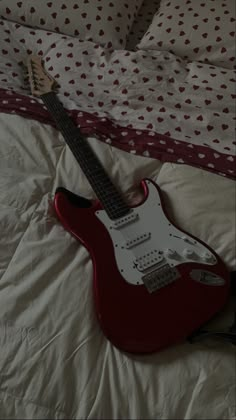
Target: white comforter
54, 360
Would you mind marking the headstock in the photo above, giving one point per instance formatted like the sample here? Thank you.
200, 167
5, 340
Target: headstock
40, 81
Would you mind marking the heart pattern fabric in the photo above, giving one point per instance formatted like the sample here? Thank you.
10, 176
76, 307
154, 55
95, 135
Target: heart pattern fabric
201, 30
141, 23
107, 22
148, 103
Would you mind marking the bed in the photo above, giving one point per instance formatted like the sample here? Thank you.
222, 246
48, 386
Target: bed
148, 111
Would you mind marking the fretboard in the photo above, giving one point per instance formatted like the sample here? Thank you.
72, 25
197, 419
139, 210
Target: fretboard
103, 187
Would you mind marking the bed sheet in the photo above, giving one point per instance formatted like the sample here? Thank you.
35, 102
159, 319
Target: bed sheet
54, 360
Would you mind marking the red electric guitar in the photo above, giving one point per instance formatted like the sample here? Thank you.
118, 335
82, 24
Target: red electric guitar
154, 284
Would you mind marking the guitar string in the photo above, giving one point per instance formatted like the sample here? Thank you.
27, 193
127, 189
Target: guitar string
85, 156
113, 203
112, 208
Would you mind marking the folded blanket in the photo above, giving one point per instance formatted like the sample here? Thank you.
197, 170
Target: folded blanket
150, 103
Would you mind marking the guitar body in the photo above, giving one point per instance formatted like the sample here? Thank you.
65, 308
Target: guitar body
137, 310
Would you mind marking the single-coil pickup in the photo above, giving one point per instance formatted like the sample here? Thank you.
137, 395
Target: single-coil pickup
137, 240
131, 217
148, 260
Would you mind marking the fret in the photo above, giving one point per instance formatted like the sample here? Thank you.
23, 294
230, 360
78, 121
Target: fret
103, 187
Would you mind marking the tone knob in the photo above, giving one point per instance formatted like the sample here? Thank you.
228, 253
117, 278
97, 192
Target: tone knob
188, 253
208, 257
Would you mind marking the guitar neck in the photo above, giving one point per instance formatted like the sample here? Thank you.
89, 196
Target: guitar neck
103, 187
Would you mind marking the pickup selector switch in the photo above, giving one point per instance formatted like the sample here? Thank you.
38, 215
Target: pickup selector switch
171, 253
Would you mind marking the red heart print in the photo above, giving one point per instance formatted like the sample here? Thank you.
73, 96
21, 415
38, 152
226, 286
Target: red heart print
200, 118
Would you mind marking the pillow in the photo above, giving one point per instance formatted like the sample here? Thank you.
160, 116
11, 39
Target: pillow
106, 22
201, 30
142, 22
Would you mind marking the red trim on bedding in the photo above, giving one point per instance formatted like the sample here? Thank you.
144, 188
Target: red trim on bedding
141, 142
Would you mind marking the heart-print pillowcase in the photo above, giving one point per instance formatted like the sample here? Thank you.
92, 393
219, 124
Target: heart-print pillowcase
106, 22
201, 30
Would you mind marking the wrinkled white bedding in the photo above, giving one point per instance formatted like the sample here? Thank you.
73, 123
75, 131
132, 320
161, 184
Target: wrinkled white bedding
54, 360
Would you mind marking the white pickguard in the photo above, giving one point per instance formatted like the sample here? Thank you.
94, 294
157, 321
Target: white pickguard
145, 241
